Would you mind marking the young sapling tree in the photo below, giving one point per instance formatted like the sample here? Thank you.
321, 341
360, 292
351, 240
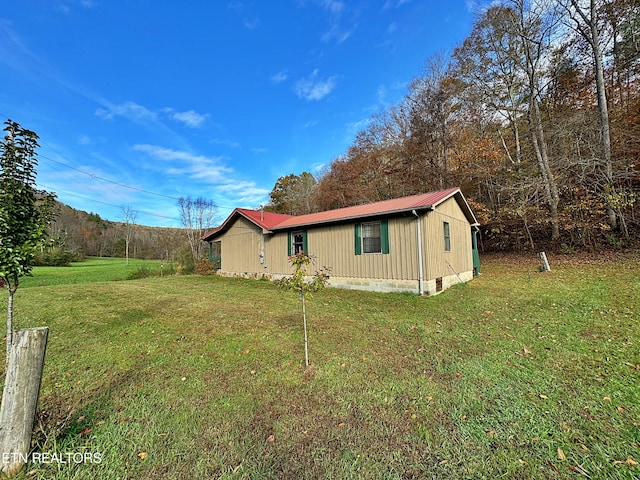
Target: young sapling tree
305, 286
25, 213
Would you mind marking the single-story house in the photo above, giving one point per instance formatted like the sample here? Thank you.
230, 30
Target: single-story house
421, 243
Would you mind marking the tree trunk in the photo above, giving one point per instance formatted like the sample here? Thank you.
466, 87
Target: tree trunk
12, 290
592, 36
306, 343
550, 186
20, 397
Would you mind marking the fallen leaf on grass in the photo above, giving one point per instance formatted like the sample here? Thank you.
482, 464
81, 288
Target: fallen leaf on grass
631, 462
245, 351
85, 431
142, 455
579, 469
561, 454
341, 425
271, 438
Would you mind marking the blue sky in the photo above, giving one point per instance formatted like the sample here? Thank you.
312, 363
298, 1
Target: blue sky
138, 103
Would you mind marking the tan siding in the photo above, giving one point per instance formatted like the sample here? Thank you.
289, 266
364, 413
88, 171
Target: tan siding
275, 251
333, 247
240, 248
437, 259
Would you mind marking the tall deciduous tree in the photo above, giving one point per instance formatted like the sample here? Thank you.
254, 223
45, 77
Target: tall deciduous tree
197, 215
586, 21
431, 102
535, 22
489, 62
292, 194
129, 215
25, 212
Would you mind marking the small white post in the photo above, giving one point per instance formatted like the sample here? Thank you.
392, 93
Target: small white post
545, 262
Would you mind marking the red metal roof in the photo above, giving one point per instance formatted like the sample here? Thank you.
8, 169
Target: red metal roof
396, 205
269, 221
265, 220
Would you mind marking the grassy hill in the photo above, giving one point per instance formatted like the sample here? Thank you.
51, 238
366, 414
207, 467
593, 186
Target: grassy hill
518, 374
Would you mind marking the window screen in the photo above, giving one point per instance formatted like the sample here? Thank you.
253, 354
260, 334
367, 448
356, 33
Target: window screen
371, 239
447, 237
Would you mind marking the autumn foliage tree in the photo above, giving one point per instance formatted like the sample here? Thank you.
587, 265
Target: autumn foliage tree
518, 118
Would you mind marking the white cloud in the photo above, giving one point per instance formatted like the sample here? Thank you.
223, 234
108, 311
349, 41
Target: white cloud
225, 142
333, 6
140, 113
190, 118
130, 110
394, 4
209, 169
312, 88
336, 33
244, 193
279, 77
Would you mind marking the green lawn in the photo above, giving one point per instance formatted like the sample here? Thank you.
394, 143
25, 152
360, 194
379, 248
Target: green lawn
518, 374
95, 269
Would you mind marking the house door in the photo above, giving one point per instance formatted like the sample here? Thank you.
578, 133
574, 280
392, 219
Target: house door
215, 254
476, 255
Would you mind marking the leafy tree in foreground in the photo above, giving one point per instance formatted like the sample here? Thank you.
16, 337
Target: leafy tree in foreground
25, 211
301, 283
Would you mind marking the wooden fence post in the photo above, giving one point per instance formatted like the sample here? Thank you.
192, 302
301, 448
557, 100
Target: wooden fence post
20, 397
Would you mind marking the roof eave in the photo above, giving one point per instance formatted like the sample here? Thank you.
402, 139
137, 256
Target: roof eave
350, 218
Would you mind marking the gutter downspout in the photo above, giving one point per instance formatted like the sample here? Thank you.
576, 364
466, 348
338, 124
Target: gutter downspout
420, 272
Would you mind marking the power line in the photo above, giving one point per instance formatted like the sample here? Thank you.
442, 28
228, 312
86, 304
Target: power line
96, 177
108, 204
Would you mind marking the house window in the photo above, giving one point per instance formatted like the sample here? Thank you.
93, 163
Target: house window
447, 237
372, 237
297, 242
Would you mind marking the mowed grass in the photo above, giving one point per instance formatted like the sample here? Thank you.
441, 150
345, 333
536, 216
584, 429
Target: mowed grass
518, 374
95, 269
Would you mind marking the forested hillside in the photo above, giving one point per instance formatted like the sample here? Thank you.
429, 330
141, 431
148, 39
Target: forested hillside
86, 234
536, 116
